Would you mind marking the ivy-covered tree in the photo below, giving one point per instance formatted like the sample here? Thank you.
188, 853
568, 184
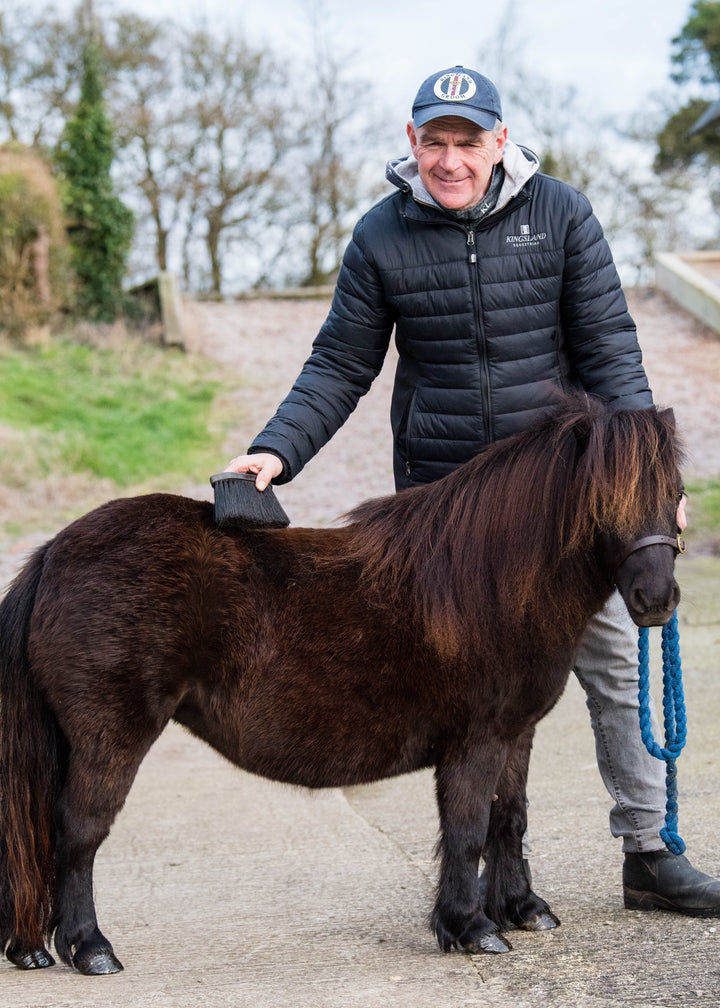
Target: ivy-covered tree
100, 226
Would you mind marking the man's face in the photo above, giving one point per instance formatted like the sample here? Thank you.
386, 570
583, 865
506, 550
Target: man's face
455, 159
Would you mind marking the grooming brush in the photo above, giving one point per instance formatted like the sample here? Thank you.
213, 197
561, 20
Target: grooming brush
239, 504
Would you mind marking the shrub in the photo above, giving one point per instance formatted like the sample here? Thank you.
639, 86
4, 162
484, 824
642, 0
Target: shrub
34, 255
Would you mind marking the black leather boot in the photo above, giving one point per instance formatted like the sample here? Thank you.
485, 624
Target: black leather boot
659, 880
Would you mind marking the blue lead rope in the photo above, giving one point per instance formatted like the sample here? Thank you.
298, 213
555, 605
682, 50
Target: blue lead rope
675, 720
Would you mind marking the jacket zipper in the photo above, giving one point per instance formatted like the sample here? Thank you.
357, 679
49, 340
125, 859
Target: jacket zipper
405, 422
489, 221
481, 341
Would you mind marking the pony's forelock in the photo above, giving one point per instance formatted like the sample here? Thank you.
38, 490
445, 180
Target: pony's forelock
629, 471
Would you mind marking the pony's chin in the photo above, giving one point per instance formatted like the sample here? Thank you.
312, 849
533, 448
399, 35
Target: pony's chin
651, 619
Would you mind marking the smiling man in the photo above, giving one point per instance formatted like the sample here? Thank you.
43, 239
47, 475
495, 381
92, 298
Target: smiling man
456, 155
500, 289
455, 159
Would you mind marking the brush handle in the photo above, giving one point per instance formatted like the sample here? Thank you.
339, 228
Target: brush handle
231, 476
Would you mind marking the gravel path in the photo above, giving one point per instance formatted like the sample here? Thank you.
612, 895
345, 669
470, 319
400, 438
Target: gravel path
263, 344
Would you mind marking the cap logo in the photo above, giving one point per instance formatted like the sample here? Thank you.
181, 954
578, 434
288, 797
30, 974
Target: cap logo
454, 87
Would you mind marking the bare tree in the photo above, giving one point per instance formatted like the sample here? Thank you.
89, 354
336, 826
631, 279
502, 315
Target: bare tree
238, 117
641, 213
147, 108
343, 133
332, 177
40, 66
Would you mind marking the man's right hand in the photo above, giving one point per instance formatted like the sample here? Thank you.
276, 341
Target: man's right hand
268, 467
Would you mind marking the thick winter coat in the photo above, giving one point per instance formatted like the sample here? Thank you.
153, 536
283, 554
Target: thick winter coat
489, 321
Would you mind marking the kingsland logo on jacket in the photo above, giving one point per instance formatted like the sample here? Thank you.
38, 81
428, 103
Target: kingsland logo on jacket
525, 238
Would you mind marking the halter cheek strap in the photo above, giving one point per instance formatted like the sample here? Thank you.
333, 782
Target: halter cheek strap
678, 544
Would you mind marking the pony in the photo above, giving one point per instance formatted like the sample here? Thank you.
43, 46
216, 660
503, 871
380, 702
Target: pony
434, 628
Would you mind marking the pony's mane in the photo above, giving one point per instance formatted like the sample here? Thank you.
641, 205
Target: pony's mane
498, 525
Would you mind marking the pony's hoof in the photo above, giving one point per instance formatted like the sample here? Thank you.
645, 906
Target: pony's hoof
492, 944
544, 921
93, 961
28, 959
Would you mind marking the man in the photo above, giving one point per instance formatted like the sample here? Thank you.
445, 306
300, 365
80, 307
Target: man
500, 288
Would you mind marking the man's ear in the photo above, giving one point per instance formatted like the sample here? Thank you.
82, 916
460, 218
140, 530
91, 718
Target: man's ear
412, 136
501, 140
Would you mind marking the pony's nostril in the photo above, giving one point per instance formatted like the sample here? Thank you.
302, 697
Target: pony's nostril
641, 601
638, 600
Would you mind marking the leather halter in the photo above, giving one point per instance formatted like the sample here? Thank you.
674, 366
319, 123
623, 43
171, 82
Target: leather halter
678, 544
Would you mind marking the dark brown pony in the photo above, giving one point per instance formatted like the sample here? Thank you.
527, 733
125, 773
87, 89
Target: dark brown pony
434, 629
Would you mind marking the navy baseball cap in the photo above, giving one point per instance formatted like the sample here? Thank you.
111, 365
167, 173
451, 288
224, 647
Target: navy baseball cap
458, 92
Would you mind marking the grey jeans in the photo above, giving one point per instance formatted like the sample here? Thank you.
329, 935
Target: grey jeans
607, 669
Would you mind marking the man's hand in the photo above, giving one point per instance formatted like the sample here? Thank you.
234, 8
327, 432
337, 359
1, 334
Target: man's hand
268, 467
681, 516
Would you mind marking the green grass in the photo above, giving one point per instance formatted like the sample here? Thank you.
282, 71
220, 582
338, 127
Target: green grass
703, 510
129, 414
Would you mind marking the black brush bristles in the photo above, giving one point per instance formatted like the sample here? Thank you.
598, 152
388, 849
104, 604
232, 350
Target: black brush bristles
239, 504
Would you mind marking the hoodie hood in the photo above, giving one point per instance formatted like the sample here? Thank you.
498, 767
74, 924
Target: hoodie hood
520, 165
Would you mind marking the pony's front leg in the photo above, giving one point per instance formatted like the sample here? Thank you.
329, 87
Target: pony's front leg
508, 897
465, 783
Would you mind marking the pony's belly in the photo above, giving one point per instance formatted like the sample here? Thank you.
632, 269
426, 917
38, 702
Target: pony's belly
331, 772
334, 754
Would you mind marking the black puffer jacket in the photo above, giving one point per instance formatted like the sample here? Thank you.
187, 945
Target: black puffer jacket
488, 323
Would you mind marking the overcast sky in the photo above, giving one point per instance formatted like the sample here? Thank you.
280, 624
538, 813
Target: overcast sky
614, 53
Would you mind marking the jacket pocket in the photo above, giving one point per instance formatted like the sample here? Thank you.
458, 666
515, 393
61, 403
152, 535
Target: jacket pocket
403, 437
562, 361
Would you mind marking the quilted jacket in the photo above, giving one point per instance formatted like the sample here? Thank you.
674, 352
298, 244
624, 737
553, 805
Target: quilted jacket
488, 320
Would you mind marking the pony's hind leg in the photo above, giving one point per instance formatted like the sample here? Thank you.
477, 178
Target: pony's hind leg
81, 828
465, 785
95, 790
36, 958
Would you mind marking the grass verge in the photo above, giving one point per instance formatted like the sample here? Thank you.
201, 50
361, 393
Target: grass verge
74, 417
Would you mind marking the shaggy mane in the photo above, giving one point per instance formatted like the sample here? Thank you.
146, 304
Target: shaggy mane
522, 507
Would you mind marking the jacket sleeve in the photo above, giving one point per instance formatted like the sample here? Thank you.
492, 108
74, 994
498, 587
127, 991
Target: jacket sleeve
347, 355
600, 335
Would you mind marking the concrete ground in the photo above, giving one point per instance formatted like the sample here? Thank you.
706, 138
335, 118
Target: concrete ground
221, 889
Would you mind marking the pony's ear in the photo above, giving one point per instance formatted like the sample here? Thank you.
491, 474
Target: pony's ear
582, 429
668, 418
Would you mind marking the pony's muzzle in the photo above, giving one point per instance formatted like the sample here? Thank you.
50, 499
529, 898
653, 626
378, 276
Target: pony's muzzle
648, 608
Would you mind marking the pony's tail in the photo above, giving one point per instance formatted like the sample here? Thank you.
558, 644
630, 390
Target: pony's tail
29, 775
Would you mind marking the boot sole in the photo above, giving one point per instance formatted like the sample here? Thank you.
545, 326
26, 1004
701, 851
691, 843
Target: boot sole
635, 899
